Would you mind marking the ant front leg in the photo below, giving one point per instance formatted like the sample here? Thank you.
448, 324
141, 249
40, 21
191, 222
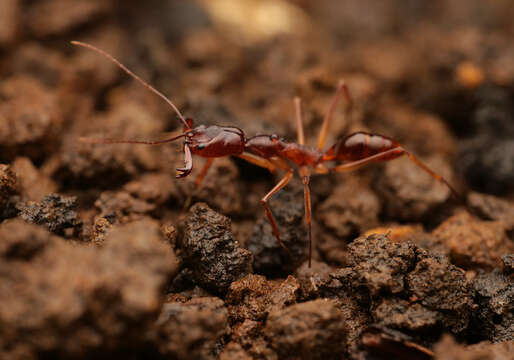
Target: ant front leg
188, 163
204, 171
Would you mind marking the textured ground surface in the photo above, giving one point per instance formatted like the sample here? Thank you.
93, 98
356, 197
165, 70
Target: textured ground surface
104, 254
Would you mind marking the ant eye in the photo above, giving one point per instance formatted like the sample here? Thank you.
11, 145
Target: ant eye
274, 137
201, 147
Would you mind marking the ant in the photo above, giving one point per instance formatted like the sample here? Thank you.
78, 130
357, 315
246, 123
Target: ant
274, 153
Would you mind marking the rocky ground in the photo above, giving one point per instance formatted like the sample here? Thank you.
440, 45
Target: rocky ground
104, 254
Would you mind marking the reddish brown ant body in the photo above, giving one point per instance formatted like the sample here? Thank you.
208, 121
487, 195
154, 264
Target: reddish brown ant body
271, 152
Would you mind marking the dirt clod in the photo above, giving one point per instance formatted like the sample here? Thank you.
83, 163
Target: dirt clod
346, 214
22, 242
381, 264
56, 212
112, 295
208, 246
472, 243
190, 330
491, 207
253, 297
495, 297
449, 291
9, 187
448, 349
408, 192
310, 330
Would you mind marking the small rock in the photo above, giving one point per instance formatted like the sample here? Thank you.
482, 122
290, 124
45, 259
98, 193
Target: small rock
310, 330
209, 249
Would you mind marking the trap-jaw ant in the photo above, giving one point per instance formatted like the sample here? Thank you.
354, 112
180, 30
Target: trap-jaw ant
274, 153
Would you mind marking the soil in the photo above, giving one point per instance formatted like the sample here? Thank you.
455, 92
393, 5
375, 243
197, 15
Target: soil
104, 254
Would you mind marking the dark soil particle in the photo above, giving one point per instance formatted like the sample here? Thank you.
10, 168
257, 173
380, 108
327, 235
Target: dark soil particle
213, 255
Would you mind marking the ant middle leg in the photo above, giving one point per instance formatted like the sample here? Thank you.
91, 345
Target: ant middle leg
264, 201
305, 175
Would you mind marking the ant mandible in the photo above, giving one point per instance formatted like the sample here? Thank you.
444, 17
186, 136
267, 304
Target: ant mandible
274, 153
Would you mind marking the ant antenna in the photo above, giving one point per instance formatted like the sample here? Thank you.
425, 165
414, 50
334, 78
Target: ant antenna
115, 141
141, 81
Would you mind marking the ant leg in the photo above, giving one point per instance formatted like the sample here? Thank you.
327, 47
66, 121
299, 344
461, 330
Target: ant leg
299, 120
383, 156
341, 88
436, 176
188, 164
390, 155
202, 174
256, 160
264, 201
305, 173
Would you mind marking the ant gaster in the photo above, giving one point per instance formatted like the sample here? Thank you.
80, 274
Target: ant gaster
274, 153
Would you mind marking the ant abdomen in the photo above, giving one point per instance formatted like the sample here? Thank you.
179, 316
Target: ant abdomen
362, 145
